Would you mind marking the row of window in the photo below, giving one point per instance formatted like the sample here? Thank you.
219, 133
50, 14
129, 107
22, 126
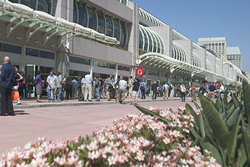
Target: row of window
79, 60
123, 1
150, 18
99, 21
41, 5
149, 41
10, 48
39, 53
178, 53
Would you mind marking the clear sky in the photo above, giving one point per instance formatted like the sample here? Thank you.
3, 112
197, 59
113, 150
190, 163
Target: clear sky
207, 18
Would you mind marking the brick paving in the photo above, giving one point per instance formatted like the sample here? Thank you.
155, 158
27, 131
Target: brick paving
67, 121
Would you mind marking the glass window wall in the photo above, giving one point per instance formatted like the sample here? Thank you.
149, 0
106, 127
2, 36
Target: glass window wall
75, 13
153, 73
44, 5
123, 68
124, 2
40, 53
92, 18
29, 3
10, 48
101, 22
150, 41
109, 26
116, 28
145, 40
79, 60
123, 33
82, 13
103, 64
141, 39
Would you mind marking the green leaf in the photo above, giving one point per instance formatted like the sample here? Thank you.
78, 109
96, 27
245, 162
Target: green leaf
214, 152
196, 105
218, 104
193, 113
231, 119
215, 121
246, 141
241, 156
197, 137
202, 129
225, 99
233, 142
235, 100
246, 97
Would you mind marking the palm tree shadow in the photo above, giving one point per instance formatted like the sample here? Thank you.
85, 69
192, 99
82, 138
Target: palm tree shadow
21, 112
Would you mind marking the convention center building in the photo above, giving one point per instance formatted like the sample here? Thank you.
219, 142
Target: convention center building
104, 37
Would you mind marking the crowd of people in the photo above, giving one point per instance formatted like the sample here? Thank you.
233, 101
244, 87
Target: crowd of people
15, 86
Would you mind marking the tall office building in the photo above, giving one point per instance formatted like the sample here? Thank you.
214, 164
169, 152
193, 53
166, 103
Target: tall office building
216, 44
234, 56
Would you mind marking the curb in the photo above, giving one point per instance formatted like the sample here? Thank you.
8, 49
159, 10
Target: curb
81, 103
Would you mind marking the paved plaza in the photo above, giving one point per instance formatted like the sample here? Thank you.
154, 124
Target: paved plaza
67, 121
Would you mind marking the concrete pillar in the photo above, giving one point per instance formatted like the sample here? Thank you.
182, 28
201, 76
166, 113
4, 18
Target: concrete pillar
116, 71
133, 33
91, 67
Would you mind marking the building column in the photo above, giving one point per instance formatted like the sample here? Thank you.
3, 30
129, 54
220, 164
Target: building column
91, 67
116, 71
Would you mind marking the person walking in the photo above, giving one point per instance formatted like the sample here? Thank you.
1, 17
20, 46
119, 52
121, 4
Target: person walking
38, 84
193, 92
135, 88
7, 83
68, 87
222, 89
143, 89
29, 85
211, 89
183, 92
74, 88
97, 88
88, 88
130, 83
83, 84
20, 83
172, 90
52, 85
59, 86
109, 81
154, 88
121, 90
165, 90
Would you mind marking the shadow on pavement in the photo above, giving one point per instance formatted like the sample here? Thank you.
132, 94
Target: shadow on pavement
21, 112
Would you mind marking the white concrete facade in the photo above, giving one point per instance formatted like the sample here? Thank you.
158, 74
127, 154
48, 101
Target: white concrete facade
79, 53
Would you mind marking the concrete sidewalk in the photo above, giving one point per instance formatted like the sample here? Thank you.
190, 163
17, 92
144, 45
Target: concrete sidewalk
32, 103
66, 121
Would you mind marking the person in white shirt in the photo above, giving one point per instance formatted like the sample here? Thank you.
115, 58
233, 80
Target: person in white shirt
88, 87
121, 89
183, 92
222, 88
165, 88
83, 84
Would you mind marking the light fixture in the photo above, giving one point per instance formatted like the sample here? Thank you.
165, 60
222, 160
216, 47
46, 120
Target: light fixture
18, 37
37, 42
52, 45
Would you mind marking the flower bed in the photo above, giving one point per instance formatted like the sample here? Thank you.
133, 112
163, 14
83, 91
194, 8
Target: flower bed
134, 140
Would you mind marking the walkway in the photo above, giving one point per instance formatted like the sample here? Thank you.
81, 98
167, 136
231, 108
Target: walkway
65, 121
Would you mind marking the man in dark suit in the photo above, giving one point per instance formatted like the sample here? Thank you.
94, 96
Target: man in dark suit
7, 74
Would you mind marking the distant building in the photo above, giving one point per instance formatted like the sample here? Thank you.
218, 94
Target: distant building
234, 56
217, 44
